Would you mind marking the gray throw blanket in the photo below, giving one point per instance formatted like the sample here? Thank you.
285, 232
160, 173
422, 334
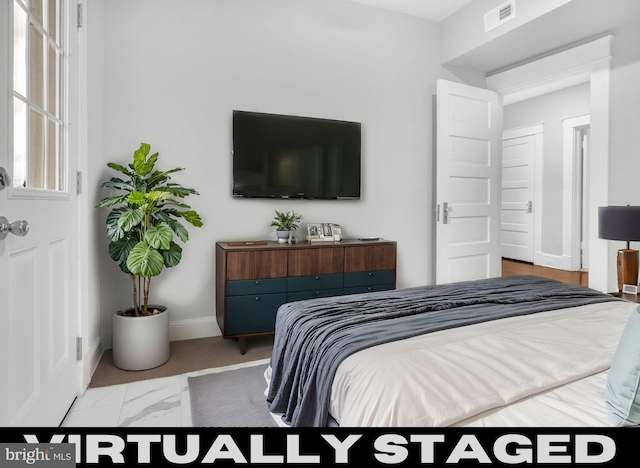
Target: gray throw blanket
313, 337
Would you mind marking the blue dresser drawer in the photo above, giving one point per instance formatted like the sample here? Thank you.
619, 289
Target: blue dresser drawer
302, 295
314, 282
260, 286
366, 289
252, 314
369, 278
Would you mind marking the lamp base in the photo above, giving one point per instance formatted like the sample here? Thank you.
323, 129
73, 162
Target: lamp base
627, 267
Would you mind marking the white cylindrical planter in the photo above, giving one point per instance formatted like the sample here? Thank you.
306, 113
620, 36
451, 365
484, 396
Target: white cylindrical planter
141, 343
283, 236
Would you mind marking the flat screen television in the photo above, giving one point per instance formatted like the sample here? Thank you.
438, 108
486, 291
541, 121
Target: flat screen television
284, 156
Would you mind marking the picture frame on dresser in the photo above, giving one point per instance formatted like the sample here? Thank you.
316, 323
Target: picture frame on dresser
314, 232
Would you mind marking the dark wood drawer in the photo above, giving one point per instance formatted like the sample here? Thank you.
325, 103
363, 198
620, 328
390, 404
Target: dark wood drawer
366, 289
370, 257
252, 314
262, 286
369, 278
315, 261
303, 295
259, 264
314, 282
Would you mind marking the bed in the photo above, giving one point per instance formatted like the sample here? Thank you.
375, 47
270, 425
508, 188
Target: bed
515, 351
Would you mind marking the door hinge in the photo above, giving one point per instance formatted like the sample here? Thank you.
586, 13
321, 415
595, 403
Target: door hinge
78, 182
80, 15
79, 349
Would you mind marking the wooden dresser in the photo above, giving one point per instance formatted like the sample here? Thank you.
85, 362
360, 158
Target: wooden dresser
253, 280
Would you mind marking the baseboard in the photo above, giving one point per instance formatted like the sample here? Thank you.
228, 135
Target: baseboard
94, 354
92, 359
193, 328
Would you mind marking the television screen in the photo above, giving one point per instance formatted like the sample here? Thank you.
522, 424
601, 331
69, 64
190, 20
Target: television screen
281, 156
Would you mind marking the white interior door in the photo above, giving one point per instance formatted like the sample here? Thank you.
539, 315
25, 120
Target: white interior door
469, 135
517, 198
38, 279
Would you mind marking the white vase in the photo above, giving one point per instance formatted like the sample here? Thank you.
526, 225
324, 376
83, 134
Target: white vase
141, 343
283, 236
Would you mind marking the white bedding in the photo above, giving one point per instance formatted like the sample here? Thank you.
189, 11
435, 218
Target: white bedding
545, 369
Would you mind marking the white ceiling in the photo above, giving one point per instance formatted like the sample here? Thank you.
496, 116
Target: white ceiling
435, 10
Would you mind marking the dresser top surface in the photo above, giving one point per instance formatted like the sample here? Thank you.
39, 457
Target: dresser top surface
274, 245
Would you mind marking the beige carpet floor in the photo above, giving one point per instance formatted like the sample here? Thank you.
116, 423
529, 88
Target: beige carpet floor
186, 356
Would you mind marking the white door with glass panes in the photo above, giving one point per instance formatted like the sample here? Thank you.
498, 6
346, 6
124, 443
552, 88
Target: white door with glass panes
38, 212
469, 132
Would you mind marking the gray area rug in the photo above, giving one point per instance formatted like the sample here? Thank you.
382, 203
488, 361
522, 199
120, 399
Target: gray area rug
233, 398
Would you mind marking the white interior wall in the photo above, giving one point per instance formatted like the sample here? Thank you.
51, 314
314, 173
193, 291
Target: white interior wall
624, 164
174, 71
170, 74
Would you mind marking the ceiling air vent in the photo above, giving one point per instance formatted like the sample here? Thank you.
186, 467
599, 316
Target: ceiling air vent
499, 15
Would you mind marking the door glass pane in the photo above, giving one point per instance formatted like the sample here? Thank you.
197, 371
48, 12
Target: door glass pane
53, 81
36, 66
52, 156
19, 50
36, 149
38, 79
53, 20
37, 10
19, 143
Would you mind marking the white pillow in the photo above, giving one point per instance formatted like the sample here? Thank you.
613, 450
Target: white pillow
622, 393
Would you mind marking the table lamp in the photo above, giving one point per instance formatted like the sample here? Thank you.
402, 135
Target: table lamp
622, 223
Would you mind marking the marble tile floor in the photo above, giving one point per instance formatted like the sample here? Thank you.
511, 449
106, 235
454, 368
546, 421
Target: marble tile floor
162, 402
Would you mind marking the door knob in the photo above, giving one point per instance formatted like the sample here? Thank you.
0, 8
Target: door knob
5, 180
19, 228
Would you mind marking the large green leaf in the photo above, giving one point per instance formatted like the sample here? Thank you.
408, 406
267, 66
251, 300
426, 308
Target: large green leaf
111, 201
178, 190
172, 256
145, 261
130, 218
114, 231
124, 268
157, 195
159, 236
136, 198
119, 250
119, 168
159, 177
177, 227
141, 164
191, 216
180, 230
177, 203
117, 183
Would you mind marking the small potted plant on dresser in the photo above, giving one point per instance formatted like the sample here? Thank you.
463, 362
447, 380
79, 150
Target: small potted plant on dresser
145, 218
285, 222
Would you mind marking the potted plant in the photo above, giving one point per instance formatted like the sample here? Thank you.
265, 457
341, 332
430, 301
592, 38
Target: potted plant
285, 223
145, 218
